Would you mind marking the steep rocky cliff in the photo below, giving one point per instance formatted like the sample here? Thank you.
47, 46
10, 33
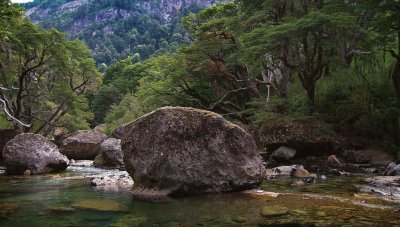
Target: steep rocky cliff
116, 29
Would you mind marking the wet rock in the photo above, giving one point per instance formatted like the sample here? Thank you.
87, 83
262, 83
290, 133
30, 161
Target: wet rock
298, 183
111, 155
60, 210
322, 177
300, 172
5, 136
392, 170
130, 220
383, 180
332, 161
338, 172
100, 205
293, 170
306, 137
33, 153
356, 156
304, 181
274, 210
239, 219
382, 185
113, 182
370, 157
2, 170
261, 193
83, 144
281, 170
190, 151
299, 212
283, 153
8, 209
81, 163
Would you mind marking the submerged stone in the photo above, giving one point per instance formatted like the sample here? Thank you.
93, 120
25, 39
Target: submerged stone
274, 210
239, 219
100, 205
8, 209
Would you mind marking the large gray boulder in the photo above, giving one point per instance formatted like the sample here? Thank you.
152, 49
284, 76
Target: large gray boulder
34, 153
308, 139
189, 151
83, 144
111, 155
5, 136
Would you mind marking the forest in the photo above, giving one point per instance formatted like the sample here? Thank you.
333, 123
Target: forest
223, 113
336, 63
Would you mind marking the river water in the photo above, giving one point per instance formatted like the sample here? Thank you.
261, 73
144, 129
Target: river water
67, 199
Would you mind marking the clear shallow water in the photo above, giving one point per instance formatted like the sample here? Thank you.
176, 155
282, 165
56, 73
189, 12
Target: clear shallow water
66, 199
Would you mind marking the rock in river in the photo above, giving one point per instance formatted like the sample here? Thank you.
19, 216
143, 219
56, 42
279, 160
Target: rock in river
113, 182
190, 151
306, 137
5, 136
83, 144
111, 155
34, 153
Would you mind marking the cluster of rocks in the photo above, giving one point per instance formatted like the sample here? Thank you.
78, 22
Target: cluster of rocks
180, 151
183, 151
28, 153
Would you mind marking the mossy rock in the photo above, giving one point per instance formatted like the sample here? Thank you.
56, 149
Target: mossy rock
100, 205
275, 210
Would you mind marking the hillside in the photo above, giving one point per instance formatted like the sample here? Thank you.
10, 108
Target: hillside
116, 29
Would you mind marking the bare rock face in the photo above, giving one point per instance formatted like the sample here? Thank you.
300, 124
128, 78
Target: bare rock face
189, 151
5, 136
111, 155
307, 138
33, 153
283, 153
83, 144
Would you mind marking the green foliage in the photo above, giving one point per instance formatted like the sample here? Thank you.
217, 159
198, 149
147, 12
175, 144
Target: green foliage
44, 77
158, 87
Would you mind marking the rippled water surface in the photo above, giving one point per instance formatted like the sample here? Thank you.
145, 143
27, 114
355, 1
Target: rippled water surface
66, 199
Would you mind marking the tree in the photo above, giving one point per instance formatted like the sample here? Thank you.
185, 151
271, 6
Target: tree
45, 78
386, 23
303, 36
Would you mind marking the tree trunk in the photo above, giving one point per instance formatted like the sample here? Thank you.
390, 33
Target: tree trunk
311, 99
396, 80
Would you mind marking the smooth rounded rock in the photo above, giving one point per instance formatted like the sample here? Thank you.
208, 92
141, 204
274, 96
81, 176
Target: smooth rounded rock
275, 210
32, 154
190, 151
83, 144
111, 155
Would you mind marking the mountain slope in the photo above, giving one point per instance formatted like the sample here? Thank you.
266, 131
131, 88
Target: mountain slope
116, 29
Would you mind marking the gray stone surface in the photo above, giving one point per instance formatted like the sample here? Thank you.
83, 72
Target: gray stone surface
392, 170
83, 144
283, 153
113, 182
34, 153
111, 155
190, 151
